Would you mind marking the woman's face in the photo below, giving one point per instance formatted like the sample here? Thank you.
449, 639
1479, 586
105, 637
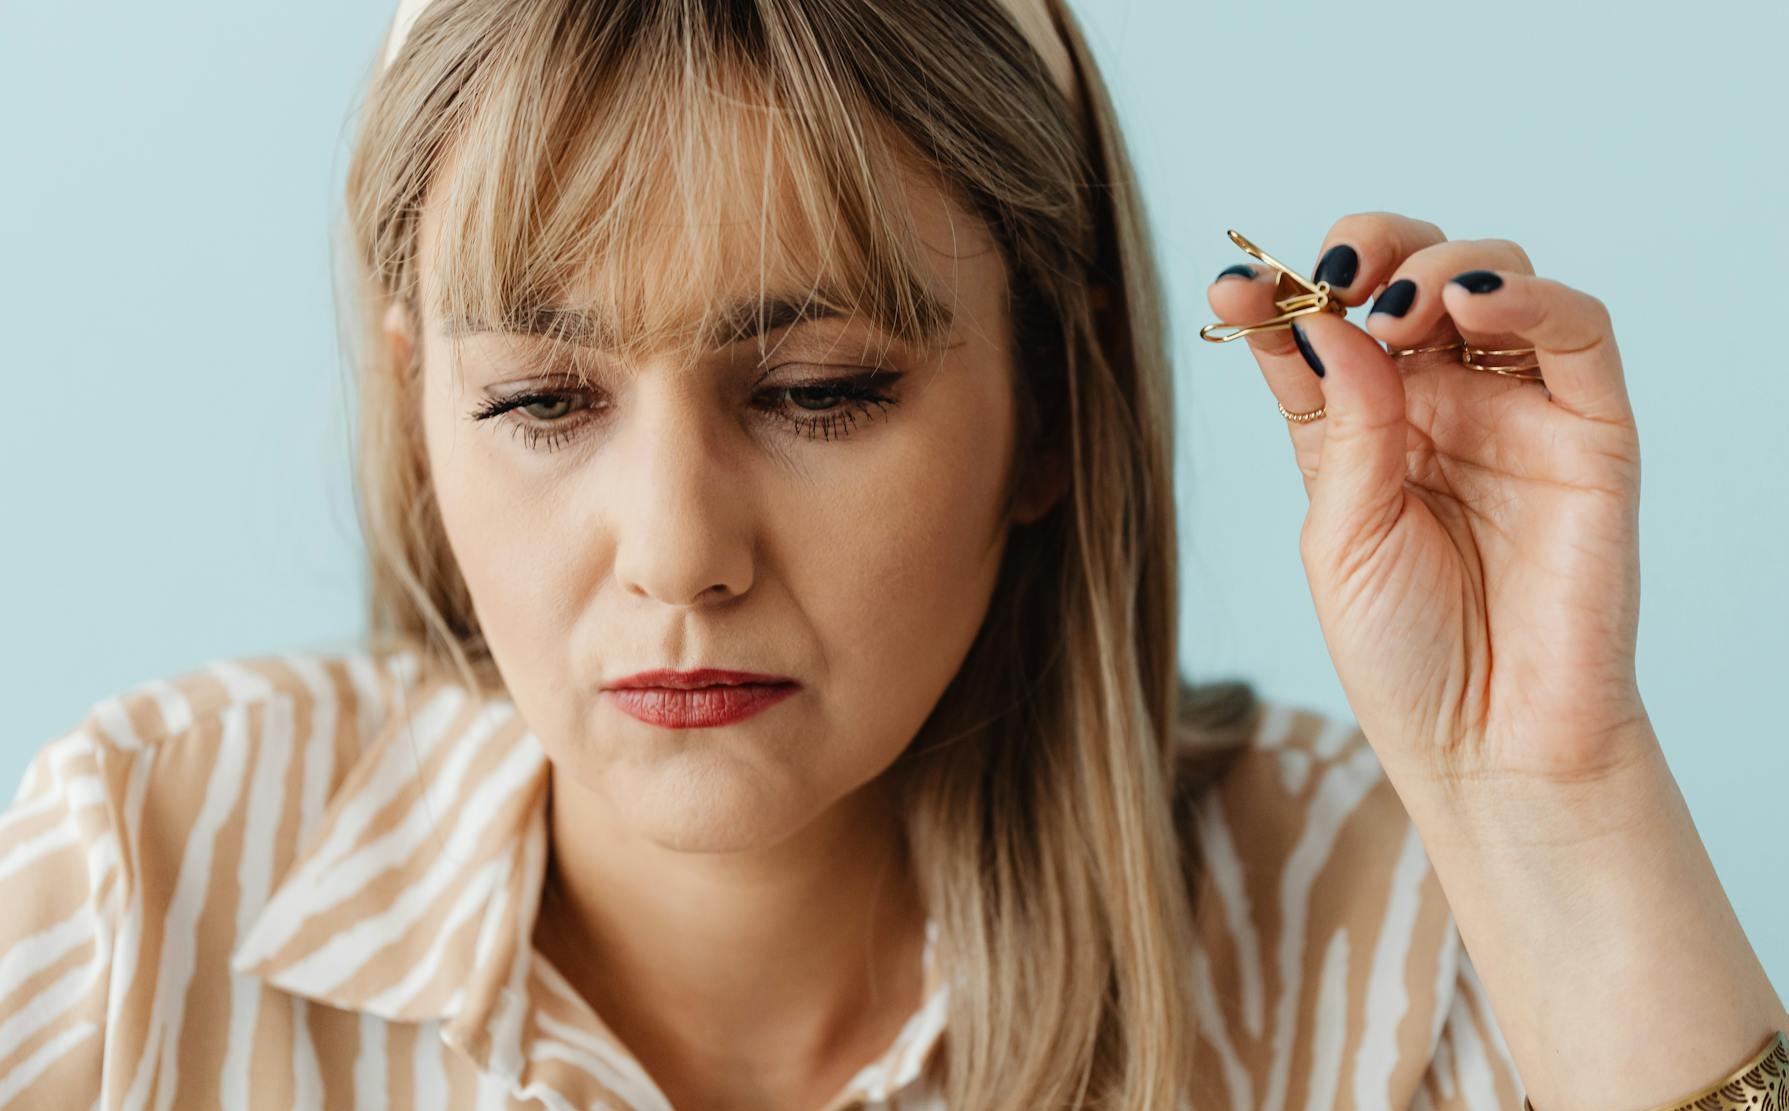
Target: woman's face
713, 516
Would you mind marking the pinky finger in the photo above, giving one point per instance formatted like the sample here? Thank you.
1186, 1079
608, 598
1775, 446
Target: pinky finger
1572, 334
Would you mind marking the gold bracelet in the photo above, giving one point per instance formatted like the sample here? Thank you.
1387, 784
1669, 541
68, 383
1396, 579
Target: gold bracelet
1762, 1082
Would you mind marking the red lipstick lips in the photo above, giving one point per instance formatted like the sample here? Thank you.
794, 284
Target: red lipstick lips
698, 699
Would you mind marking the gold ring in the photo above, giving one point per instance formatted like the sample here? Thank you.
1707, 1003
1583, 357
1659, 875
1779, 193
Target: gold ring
1528, 371
1424, 350
1301, 418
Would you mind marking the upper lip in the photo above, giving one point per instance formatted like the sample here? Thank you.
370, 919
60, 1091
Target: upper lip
691, 680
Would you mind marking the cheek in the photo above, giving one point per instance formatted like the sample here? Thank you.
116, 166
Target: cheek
500, 534
897, 583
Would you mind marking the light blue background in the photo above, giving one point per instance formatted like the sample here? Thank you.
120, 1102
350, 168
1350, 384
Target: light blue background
173, 476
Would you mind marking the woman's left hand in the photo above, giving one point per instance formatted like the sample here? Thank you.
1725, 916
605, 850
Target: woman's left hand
1472, 538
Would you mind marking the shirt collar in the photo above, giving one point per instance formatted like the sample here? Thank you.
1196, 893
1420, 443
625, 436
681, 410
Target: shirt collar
413, 896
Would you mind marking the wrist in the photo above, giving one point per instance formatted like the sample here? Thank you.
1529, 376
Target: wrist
1583, 900
1524, 810
1762, 1081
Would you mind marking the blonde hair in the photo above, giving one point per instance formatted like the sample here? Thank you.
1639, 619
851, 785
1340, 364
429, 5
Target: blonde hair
1048, 797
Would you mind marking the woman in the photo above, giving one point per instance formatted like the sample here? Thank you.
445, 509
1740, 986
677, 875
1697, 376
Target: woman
772, 696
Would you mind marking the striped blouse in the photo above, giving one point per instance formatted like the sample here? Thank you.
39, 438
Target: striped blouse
310, 881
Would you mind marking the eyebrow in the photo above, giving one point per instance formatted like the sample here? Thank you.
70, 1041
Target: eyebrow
741, 320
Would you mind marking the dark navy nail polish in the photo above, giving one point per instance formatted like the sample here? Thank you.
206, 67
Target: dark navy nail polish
1305, 349
1240, 270
1339, 266
1397, 298
1479, 281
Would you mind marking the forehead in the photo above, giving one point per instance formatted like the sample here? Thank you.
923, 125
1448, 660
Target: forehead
665, 242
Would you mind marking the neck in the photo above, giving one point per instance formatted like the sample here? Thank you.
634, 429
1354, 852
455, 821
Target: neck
792, 965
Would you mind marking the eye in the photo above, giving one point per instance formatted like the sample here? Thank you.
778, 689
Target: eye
539, 416
548, 409
831, 409
824, 409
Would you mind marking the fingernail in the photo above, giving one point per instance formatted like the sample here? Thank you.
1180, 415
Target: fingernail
1340, 264
1240, 270
1479, 281
1305, 349
1397, 298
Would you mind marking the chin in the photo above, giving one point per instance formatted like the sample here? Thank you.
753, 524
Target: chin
719, 811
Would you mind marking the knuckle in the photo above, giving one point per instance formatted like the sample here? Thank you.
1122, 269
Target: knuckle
1512, 249
1357, 226
1543, 314
1597, 312
1266, 345
1389, 225
1307, 464
1584, 306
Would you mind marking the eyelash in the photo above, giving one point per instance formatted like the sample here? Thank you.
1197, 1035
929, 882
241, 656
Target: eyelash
860, 398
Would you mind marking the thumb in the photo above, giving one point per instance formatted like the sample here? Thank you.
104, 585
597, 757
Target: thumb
1359, 490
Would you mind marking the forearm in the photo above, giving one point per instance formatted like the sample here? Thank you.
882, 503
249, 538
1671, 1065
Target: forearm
1615, 965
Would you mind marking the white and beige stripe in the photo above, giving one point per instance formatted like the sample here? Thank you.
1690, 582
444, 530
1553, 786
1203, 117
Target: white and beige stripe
310, 882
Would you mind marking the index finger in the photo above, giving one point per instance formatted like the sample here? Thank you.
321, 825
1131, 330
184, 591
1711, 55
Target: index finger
1364, 249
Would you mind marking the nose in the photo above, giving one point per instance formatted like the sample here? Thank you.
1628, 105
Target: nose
681, 516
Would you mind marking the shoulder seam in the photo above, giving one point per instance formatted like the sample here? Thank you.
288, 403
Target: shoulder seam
93, 724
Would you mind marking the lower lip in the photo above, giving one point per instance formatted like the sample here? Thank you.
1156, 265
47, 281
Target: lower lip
701, 708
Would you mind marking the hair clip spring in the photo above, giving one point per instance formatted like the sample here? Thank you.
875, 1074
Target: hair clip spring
1306, 297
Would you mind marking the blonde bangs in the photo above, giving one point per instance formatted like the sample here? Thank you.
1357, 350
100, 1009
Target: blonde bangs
632, 186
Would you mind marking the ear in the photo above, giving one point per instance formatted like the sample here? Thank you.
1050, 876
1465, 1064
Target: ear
1046, 484
1049, 477
399, 331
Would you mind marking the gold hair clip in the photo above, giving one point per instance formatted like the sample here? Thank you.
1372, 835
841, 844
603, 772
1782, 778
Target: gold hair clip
1315, 298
